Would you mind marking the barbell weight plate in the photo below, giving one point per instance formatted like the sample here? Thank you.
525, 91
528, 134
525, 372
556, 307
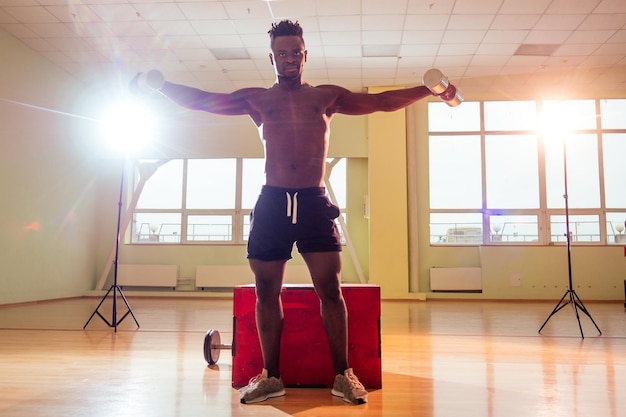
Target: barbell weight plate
212, 343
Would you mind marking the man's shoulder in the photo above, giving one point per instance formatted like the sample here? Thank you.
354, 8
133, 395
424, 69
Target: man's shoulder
250, 91
332, 91
332, 87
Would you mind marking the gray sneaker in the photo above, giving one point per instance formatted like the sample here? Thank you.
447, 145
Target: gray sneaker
260, 388
348, 387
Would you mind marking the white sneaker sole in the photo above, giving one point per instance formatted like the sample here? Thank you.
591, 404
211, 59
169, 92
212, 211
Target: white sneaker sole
343, 397
263, 398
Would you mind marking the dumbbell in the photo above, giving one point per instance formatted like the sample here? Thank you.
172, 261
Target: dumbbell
439, 85
148, 82
212, 346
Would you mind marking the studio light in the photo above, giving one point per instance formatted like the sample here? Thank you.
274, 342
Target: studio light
128, 125
556, 123
556, 120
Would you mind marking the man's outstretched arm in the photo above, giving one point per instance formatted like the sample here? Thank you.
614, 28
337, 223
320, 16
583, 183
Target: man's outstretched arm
235, 103
391, 100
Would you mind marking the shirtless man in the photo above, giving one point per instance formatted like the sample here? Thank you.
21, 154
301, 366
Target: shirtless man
293, 119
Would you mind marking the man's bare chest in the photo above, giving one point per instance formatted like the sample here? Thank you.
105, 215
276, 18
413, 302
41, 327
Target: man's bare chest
301, 106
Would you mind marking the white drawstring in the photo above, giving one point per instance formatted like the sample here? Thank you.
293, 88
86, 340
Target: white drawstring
292, 211
294, 216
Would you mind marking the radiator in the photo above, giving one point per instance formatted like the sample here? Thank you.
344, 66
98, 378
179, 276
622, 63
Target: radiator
133, 275
465, 279
229, 276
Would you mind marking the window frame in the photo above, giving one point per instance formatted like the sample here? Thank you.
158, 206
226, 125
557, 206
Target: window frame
239, 215
543, 213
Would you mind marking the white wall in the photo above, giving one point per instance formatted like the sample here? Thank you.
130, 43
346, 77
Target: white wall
48, 184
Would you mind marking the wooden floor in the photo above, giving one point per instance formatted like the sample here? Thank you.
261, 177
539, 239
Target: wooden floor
439, 358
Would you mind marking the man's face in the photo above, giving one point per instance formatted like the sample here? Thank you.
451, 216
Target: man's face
288, 56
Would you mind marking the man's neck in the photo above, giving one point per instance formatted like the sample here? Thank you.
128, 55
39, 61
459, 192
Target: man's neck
290, 83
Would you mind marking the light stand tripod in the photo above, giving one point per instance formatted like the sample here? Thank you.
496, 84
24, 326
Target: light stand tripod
570, 296
115, 289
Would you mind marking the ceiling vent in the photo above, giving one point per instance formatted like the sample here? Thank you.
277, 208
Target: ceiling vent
536, 49
377, 51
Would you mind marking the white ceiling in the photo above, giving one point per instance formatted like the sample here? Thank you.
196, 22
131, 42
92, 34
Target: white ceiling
470, 40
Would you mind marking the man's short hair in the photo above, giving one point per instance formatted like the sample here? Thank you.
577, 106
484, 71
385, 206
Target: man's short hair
285, 28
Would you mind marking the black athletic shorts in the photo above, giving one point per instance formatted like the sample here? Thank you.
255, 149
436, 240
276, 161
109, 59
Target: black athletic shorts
283, 216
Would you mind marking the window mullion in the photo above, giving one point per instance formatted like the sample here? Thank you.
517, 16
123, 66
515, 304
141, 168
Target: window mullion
599, 136
237, 216
544, 218
184, 212
483, 157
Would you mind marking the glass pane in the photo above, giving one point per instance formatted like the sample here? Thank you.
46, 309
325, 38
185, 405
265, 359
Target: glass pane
252, 180
575, 114
616, 223
583, 228
164, 188
443, 118
613, 112
211, 183
156, 228
614, 152
246, 227
456, 228
338, 182
455, 172
583, 174
522, 229
512, 171
510, 115
210, 228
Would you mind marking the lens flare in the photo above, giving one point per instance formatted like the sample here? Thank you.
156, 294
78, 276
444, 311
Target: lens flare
34, 226
128, 125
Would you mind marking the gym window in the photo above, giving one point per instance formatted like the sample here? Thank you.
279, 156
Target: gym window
204, 201
497, 173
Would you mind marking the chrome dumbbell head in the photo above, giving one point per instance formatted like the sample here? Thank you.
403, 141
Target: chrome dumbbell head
439, 85
435, 81
151, 81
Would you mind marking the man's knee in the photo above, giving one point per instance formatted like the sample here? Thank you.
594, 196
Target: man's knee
268, 277
330, 295
267, 293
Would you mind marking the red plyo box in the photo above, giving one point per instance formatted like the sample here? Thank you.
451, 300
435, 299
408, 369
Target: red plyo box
305, 359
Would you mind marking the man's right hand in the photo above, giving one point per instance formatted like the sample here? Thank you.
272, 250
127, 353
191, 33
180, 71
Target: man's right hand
449, 93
